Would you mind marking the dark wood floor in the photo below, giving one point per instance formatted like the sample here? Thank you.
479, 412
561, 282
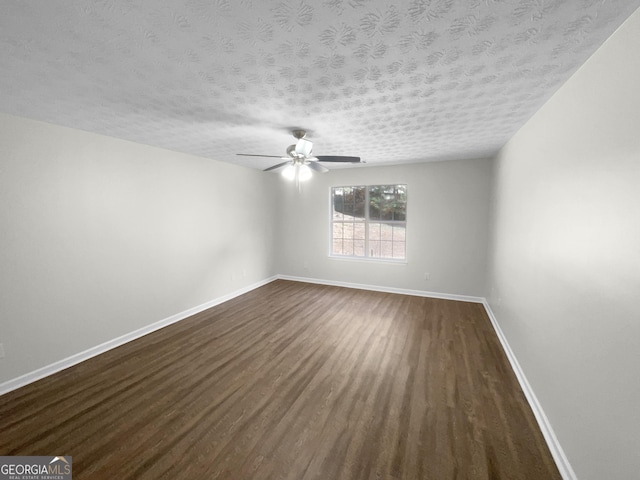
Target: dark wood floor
292, 381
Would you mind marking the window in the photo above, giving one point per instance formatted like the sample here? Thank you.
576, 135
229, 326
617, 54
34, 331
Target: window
369, 221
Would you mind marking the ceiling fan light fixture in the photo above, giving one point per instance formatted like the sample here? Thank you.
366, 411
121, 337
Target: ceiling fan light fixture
300, 172
299, 162
289, 172
304, 173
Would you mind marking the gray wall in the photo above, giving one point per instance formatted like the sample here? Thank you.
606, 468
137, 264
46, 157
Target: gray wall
564, 265
100, 237
447, 217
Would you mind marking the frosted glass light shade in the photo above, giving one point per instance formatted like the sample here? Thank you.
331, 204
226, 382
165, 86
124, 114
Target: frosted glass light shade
304, 173
289, 172
301, 172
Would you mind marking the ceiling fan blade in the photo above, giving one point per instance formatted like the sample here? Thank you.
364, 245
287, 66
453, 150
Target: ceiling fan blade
251, 155
334, 158
317, 167
277, 166
303, 147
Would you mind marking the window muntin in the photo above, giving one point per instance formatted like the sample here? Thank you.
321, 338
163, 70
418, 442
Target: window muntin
369, 221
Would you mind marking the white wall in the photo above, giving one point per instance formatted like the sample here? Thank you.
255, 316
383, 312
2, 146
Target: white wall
447, 216
564, 266
100, 237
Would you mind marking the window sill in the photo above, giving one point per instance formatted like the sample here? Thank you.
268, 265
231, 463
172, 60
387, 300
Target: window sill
388, 261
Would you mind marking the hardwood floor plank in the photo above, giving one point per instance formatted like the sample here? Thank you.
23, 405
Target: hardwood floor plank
292, 381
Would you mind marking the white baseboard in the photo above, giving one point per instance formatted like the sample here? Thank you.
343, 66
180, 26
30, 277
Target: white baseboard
562, 462
377, 288
31, 377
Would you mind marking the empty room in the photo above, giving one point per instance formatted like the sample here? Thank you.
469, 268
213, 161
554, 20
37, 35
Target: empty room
341, 239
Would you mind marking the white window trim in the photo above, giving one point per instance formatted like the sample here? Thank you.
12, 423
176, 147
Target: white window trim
353, 258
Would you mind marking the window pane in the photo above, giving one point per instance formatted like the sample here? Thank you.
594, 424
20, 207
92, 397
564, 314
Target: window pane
349, 201
337, 230
399, 250
348, 210
386, 249
374, 249
359, 202
347, 248
386, 232
400, 203
400, 211
358, 248
374, 231
375, 201
337, 247
399, 233
337, 200
358, 230
347, 230
388, 202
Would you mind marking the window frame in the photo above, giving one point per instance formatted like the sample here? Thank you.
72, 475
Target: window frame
367, 221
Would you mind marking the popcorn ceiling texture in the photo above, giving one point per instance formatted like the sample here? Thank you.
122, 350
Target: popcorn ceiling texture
390, 81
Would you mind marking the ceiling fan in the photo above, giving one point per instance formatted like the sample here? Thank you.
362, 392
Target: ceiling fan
299, 161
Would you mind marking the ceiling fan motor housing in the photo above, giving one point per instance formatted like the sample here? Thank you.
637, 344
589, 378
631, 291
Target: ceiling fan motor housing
299, 133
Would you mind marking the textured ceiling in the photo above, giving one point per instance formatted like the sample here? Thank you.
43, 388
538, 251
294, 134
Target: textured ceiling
390, 81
